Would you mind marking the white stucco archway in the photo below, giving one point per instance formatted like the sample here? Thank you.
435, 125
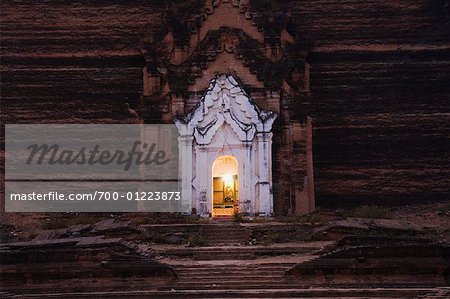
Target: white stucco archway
226, 122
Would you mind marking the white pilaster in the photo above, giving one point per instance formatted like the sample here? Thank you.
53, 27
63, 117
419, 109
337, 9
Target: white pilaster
185, 147
247, 200
265, 177
204, 194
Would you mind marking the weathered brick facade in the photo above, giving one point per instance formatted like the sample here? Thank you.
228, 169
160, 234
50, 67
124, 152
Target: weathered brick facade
379, 74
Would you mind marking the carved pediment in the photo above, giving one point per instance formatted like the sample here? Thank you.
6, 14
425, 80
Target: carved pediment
251, 39
225, 102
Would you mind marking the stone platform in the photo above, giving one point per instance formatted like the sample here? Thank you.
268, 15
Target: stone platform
221, 260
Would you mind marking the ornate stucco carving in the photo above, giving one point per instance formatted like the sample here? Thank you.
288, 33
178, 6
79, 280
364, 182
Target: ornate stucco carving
193, 37
225, 102
252, 42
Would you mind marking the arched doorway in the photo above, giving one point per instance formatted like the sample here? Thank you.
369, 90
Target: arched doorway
226, 125
225, 191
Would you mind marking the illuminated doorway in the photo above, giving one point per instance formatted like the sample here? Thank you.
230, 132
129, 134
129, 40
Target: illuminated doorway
226, 135
225, 186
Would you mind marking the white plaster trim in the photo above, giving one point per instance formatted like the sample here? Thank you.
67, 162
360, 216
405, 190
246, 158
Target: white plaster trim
225, 101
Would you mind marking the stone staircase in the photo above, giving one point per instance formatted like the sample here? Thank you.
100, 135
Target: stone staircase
230, 264
229, 267
225, 234
317, 293
231, 277
226, 265
236, 252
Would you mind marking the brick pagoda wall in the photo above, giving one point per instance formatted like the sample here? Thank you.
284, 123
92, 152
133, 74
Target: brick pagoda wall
380, 73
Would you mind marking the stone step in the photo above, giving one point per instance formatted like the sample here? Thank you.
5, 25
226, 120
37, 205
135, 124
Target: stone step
257, 265
226, 230
224, 238
224, 233
222, 257
274, 284
317, 293
220, 277
279, 284
235, 252
241, 240
225, 241
300, 293
235, 267
225, 270
218, 280
207, 256
229, 273
201, 275
196, 275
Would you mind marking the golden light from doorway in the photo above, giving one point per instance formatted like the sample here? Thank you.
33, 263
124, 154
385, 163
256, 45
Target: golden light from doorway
228, 180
